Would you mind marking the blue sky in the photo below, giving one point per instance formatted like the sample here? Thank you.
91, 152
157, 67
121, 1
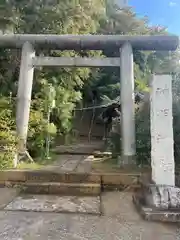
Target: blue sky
160, 12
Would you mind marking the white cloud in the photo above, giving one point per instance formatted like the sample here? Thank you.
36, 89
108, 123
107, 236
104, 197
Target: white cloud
172, 4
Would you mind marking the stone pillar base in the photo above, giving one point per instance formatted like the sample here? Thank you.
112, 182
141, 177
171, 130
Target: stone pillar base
158, 202
127, 161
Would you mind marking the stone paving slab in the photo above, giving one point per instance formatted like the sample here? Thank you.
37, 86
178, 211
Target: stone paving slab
119, 222
7, 195
85, 164
71, 163
49, 203
119, 205
41, 226
65, 163
80, 148
60, 161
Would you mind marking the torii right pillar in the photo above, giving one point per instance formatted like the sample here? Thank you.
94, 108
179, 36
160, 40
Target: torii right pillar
158, 198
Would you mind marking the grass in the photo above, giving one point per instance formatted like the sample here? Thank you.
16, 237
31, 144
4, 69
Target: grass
33, 166
111, 165
38, 163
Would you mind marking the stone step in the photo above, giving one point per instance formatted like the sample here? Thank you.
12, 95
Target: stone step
55, 204
75, 189
108, 181
47, 176
76, 151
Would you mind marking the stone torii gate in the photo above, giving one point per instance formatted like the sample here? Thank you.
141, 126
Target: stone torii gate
29, 43
157, 199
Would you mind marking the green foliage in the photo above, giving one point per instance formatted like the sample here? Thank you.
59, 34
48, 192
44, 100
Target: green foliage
7, 138
143, 139
64, 17
69, 85
36, 133
39, 129
143, 126
66, 102
176, 115
126, 22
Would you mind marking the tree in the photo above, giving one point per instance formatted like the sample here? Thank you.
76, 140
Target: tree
48, 17
125, 21
72, 85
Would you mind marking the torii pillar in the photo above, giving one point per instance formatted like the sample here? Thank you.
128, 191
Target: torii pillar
127, 105
24, 96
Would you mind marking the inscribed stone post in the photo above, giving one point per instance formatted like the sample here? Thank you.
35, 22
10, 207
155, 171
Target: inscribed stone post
162, 144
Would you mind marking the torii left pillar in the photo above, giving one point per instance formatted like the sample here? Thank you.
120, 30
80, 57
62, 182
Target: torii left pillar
127, 105
24, 94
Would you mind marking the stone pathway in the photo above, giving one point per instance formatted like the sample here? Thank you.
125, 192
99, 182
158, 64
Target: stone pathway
71, 163
119, 221
75, 157
82, 147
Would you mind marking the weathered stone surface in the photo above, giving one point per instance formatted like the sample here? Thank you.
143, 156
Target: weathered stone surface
152, 196
174, 197
85, 165
51, 203
72, 163
47, 176
120, 179
120, 221
62, 188
152, 214
82, 148
162, 143
35, 188
108, 180
162, 197
7, 195
119, 211
158, 203
13, 175
52, 176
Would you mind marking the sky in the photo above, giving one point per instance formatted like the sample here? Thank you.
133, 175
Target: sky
160, 12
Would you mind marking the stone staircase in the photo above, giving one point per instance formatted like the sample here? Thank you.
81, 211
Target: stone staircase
49, 191
54, 183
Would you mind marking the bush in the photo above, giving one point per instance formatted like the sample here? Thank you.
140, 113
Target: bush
7, 136
114, 144
143, 138
6, 159
39, 129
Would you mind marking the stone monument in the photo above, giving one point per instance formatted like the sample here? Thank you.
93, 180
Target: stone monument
159, 198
